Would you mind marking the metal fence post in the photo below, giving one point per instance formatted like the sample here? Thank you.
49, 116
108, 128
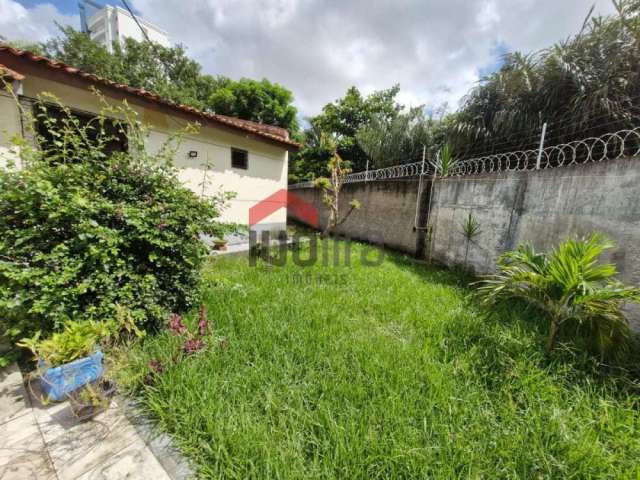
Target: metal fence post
544, 132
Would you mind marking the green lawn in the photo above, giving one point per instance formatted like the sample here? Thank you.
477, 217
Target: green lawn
383, 372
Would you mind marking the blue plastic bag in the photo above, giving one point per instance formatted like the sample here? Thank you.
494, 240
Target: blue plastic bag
57, 382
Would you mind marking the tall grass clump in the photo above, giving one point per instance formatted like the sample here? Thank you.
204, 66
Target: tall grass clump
380, 372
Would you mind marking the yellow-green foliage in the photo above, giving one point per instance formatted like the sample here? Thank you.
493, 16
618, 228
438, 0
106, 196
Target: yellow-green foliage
78, 339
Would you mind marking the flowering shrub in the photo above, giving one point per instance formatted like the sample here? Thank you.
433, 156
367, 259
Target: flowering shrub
86, 230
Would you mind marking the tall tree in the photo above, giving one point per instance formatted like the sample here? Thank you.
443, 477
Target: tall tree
263, 101
77, 49
585, 86
401, 139
342, 119
311, 161
347, 115
170, 73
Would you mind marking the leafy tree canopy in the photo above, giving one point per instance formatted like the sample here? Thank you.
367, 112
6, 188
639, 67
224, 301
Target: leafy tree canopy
347, 115
342, 119
170, 73
261, 101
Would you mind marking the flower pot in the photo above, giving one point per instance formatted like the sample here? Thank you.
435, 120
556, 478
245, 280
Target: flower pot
57, 382
220, 246
91, 400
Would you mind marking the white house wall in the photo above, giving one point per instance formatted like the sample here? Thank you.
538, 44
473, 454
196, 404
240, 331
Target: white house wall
9, 127
266, 173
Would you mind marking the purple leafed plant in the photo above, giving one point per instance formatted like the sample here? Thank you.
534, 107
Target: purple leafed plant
193, 342
192, 345
176, 325
156, 366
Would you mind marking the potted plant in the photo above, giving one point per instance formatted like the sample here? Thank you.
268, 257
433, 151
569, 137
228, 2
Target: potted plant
92, 399
69, 359
220, 244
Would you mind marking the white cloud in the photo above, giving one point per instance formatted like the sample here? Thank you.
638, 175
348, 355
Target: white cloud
488, 16
318, 48
32, 24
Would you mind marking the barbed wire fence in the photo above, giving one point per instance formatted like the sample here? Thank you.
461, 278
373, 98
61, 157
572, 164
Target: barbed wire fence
610, 146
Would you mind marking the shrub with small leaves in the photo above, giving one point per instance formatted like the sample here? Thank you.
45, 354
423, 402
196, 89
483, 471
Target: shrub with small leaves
332, 186
86, 230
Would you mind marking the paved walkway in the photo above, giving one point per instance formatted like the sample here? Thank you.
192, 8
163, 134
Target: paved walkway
242, 248
40, 441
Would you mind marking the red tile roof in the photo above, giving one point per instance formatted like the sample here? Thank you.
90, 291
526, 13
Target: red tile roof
6, 72
259, 131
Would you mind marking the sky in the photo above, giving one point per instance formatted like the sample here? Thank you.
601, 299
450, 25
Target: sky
435, 49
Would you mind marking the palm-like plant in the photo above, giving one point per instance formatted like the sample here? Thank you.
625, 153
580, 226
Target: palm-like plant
585, 86
470, 229
400, 139
445, 162
569, 285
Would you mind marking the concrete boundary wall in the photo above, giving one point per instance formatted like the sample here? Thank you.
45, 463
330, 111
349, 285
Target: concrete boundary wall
538, 207
388, 212
541, 208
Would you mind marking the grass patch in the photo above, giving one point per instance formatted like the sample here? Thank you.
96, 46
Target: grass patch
382, 372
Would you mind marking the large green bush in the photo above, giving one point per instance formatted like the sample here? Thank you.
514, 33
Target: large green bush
86, 230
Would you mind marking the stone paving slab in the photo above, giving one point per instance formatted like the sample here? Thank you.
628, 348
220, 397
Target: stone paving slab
32, 465
160, 444
91, 444
134, 461
40, 440
13, 398
22, 450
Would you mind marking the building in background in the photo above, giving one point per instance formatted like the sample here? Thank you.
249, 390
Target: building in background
113, 24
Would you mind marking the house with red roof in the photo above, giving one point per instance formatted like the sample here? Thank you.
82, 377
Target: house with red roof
227, 154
